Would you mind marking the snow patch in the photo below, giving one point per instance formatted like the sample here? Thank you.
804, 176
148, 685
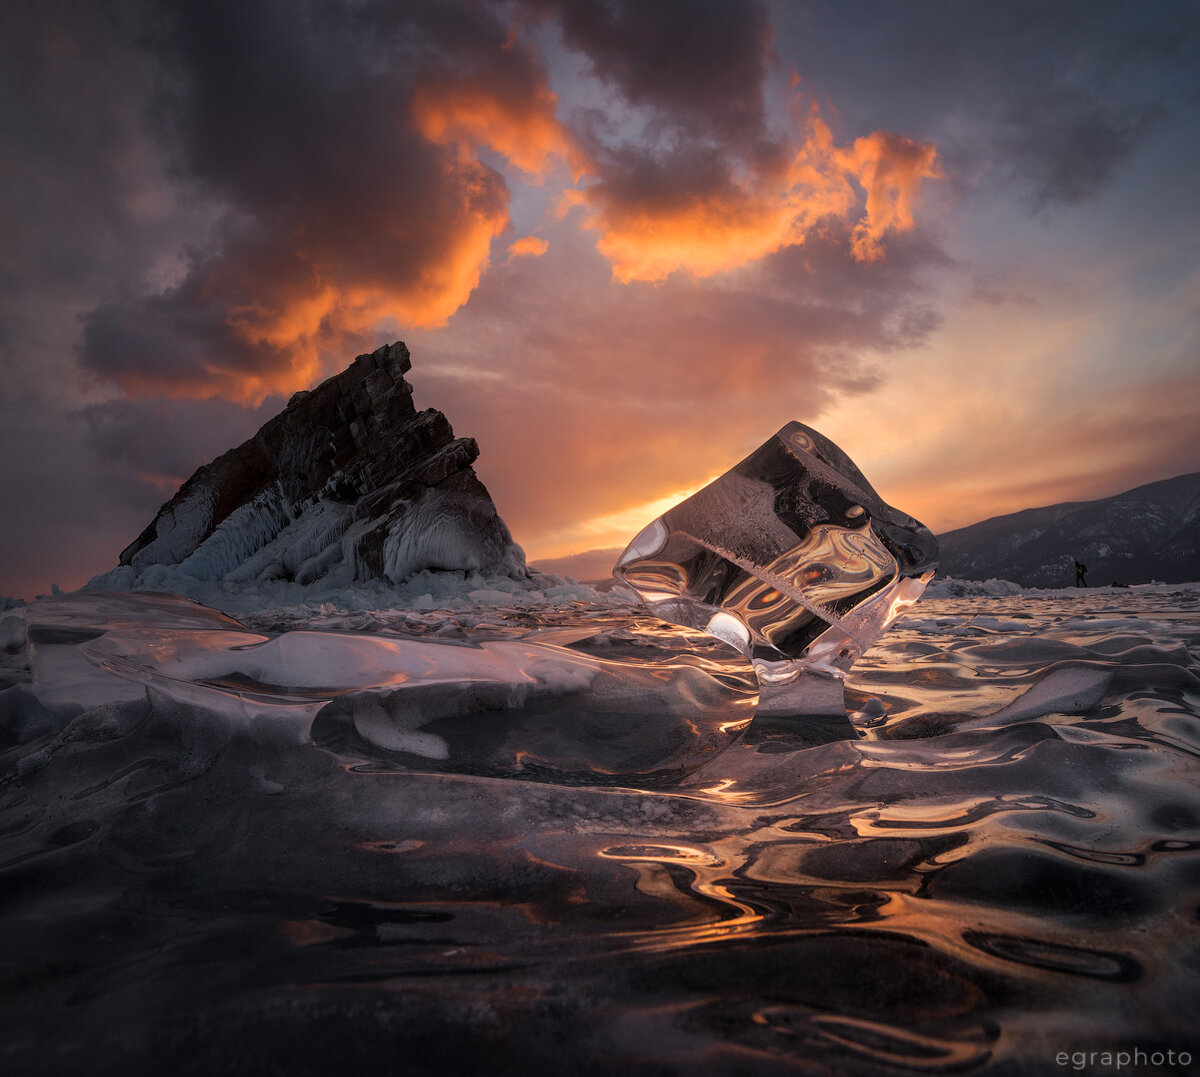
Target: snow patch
445, 531
243, 532
178, 529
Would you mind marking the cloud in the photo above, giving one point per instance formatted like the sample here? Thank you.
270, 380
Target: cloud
157, 444
527, 247
890, 169
1042, 104
699, 65
522, 128
354, 156
1068, 149
698, 180
341, 142
696, 211
619, 394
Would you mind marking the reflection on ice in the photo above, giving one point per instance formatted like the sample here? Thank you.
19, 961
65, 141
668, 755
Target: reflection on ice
182, 884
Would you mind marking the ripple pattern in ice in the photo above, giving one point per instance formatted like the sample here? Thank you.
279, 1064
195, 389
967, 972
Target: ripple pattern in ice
1004, 868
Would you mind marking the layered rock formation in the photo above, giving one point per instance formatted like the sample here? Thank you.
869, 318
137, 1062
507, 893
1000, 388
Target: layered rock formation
349, 482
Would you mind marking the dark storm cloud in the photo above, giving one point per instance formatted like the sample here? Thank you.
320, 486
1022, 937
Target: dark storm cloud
1069, 152
159, 443
80, 200
1053, 98
299, 120
294, 108
701, 156
342, 146
699, 63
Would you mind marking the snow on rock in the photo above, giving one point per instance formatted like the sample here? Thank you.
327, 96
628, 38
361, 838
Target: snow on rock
446, 530
332, 601
349, 483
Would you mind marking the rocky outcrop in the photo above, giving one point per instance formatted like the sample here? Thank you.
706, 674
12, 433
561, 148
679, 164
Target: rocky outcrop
349, 482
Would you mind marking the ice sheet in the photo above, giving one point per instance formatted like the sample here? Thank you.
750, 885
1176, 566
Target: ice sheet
648, 705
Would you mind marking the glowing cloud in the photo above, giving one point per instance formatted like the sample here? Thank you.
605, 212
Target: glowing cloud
527, 247
890, 169
523, 130
752, 212
380, 205
272, 313
391, 216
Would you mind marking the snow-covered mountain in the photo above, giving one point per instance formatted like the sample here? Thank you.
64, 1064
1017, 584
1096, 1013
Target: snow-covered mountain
348, 483
1149, 533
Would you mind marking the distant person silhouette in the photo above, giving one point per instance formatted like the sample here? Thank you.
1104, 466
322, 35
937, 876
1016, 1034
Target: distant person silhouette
1080, 574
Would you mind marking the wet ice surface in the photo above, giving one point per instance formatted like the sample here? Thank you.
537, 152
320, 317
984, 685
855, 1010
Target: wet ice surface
1006, 865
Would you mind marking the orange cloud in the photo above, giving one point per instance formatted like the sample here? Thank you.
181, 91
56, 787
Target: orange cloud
408, 240
524, 130
290, 295
310, 326
310, 306
890, 169
336, 301
527, 247
756, 213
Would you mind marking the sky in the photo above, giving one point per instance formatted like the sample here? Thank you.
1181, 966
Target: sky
624, 240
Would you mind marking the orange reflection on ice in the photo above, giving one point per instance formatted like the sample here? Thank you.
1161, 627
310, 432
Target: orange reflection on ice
726, 916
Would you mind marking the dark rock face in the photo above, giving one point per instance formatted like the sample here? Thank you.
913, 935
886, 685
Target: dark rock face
348, 482
1149, 533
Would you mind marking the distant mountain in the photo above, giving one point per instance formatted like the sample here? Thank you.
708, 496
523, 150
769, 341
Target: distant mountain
591, 566
1149, 533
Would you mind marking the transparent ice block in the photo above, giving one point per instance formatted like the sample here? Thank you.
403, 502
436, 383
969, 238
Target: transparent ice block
792, 558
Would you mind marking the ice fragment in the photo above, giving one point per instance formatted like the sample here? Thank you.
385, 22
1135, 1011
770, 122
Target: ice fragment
791, 557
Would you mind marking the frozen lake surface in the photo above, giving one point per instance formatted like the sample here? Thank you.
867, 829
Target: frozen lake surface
204, 870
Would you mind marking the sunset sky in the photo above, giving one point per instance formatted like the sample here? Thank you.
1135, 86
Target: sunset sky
625, 241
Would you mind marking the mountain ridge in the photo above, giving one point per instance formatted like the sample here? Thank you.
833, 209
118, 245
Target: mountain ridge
1149, 532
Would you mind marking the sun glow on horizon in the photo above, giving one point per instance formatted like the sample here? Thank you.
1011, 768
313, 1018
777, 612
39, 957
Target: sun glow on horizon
610, 528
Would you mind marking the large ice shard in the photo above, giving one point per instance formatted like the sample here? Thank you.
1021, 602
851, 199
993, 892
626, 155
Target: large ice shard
791, 557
